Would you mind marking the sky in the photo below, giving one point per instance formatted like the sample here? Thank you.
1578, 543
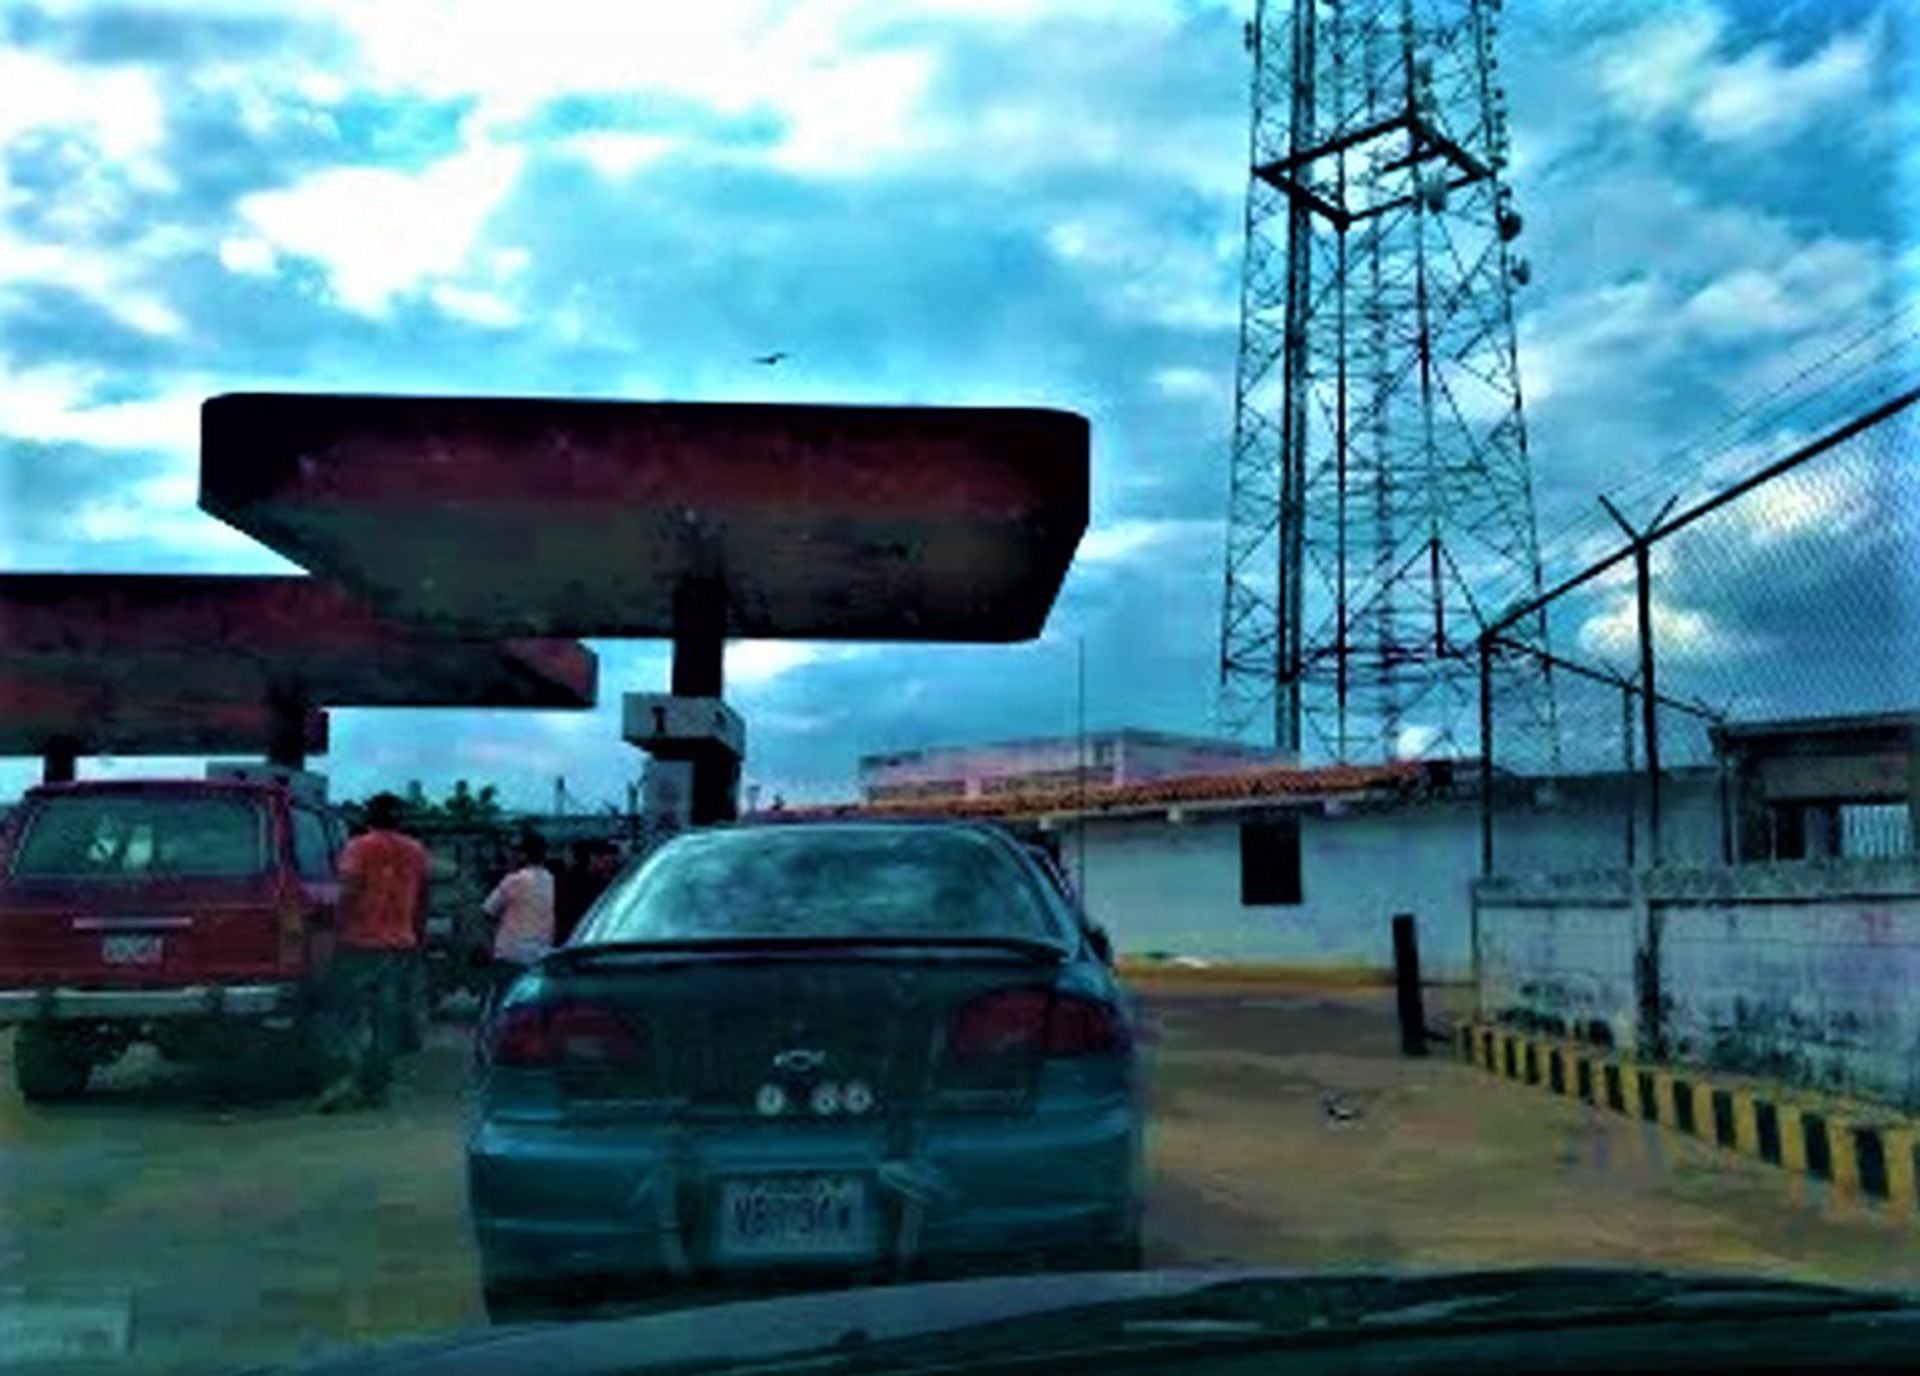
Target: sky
1012, 202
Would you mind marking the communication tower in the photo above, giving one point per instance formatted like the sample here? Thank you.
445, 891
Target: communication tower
1381, 503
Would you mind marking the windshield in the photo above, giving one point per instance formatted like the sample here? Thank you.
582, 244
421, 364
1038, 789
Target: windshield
802, 881
135, 835
671, 651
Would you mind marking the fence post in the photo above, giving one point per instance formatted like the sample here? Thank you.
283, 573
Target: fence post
1649, 700
1650, 1034
1642, 547
1629, 784
1406, 979
1729, 849
1486, 756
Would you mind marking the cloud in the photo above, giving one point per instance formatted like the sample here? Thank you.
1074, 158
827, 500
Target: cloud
476, 306
1825, 280
248, 256
1151, 269
1759, 97
753, 664
65, 404
1680, 633
1129, 539
378, 232
101, 277
115, 111
1675, 67
1192, 383
1821, 501
1651, 70
615, 154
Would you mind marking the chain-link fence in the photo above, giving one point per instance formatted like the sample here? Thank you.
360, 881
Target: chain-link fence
1783, 598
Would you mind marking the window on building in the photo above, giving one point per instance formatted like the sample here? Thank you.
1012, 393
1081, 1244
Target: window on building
1875, 831
1270, 861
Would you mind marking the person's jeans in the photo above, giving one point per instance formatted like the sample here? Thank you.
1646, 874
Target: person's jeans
366, 1001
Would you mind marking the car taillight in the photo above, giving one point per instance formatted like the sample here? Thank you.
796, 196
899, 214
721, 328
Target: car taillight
552, 1034
1026, 1022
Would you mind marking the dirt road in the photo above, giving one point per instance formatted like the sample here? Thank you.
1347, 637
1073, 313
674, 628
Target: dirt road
1284, 1129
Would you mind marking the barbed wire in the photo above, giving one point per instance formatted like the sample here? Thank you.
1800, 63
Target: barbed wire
1794, 598
1841, 379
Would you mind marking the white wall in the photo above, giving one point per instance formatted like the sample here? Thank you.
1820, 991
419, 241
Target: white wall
1802, 972
1164, 886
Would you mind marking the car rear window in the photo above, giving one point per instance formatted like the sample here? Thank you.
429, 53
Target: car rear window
806, 881
131, 835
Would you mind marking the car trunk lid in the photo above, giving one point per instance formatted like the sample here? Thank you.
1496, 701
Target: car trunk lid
785, 1032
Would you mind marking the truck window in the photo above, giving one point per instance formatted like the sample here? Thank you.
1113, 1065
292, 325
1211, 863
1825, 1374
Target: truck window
312, 845
134, 835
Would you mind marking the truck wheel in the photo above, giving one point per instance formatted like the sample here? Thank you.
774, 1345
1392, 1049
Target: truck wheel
49, 1065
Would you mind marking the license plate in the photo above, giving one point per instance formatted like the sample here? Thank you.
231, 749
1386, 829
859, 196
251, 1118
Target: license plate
130, 950
796, 1216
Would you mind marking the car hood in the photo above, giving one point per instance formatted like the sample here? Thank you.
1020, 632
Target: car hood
715, 1337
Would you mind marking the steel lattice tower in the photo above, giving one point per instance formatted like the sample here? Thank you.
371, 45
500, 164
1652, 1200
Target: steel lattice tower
1381, 500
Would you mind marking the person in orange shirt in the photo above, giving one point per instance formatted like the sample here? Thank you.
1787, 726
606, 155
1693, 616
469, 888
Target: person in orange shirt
383, 915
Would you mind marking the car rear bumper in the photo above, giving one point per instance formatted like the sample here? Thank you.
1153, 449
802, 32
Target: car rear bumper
551, 1202
64, 1004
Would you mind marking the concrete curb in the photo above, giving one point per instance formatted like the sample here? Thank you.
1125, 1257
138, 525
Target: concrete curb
1859, 1150
1137, 971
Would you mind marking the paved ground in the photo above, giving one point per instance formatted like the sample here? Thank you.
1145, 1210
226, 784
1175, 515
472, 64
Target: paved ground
257, 1231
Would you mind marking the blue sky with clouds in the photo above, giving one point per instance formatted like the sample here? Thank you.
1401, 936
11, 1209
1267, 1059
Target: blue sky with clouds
962, 201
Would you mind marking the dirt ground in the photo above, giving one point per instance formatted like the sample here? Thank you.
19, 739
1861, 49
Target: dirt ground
193, 1232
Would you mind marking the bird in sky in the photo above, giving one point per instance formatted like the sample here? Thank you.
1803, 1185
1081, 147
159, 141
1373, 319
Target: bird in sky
768, 360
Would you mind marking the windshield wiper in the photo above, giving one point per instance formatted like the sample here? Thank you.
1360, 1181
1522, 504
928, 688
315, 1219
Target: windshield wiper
750, 947
1259, 1314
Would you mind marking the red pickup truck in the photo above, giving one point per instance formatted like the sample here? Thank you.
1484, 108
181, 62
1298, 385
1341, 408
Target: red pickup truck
193, 914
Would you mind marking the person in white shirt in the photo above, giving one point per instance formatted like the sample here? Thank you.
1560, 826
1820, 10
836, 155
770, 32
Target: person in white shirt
522, 907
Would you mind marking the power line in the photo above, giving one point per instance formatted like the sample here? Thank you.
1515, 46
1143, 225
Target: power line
1562, 543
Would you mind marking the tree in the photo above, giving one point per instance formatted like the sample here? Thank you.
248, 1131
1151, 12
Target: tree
460, 805
487, 804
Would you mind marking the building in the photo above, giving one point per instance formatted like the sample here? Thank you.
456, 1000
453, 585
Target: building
1100, 760
1825, 788
1792, 956
1307, 866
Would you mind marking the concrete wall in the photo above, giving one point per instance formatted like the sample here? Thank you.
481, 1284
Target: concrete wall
1175, 888
1806, 973
1168, 886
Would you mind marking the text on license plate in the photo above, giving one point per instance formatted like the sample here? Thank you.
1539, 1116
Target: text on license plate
130, 950
796, 1216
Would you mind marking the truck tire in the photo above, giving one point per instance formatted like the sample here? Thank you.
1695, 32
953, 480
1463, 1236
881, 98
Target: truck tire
49, 1065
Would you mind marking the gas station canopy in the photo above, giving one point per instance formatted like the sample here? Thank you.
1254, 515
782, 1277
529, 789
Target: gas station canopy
56, 716
492, 516
184, 643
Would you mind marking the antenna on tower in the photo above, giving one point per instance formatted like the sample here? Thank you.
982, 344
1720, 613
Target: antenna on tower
1381, 485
